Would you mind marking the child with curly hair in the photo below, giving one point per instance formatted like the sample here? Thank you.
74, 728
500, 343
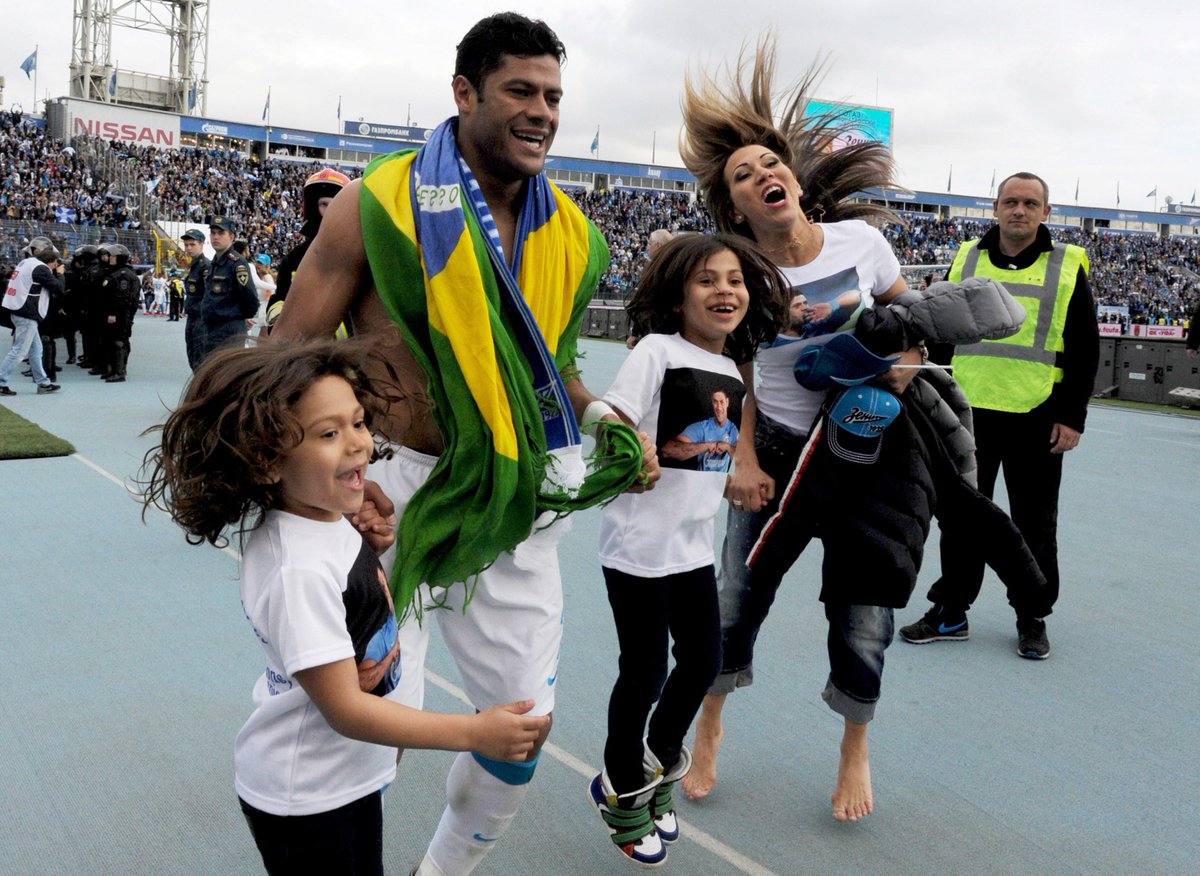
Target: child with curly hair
274, 440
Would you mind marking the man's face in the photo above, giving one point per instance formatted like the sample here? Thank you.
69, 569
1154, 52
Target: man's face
1020, 208
323, 204
505, 129
221, 239
798, 311
720, 403
192, 247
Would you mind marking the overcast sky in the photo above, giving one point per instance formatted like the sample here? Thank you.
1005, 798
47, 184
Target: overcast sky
1099, 91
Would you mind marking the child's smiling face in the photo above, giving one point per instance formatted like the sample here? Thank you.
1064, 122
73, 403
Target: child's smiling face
323, 477
715, 300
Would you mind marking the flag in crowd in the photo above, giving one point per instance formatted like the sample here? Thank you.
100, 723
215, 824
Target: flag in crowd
30, 63
65, 215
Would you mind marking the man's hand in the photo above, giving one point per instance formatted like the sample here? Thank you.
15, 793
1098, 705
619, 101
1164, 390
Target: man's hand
1063, 438
1192, 354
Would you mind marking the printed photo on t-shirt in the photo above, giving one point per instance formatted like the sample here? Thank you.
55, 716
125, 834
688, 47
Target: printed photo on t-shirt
371, 622
697, 420
831, 304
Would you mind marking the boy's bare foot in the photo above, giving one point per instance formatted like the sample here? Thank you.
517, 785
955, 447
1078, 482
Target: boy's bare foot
702, 777
852, 798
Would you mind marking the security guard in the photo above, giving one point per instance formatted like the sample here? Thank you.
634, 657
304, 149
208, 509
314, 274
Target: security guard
79, 292
91, 320
230, 297
1029, 396
120, 294
194, 285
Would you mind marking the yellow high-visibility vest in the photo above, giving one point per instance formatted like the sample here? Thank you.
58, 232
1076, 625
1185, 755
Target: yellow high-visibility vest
1017, 374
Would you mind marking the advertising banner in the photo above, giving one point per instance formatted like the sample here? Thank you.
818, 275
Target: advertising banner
128, 125
863, 123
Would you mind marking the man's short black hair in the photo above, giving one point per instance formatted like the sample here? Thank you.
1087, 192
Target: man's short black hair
1031, 177
482, 50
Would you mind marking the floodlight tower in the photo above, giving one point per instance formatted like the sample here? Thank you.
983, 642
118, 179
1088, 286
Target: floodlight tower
93, 75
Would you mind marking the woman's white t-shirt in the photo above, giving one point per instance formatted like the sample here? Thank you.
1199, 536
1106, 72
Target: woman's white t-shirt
854, 266
670, 388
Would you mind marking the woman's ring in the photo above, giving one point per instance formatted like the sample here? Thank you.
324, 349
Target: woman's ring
736, 504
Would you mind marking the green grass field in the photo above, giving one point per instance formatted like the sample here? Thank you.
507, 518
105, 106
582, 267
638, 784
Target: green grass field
21, 439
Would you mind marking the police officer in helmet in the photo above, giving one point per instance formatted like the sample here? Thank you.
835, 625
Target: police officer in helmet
119, 294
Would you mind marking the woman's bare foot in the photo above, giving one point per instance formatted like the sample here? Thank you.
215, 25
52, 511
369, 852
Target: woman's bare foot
702, 777
852, 798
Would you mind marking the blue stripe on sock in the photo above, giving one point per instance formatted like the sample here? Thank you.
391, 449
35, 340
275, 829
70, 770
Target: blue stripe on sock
508, 771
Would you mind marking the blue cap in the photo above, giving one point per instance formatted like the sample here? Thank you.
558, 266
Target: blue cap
840, 361
857, 421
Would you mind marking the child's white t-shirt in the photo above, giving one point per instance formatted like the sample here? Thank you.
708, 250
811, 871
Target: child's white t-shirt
666, 388
314, 593
855, 258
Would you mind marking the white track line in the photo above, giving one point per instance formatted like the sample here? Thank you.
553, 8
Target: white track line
137, 494
688, 831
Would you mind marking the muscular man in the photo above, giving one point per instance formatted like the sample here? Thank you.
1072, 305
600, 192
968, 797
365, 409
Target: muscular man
1029, 396
432, 254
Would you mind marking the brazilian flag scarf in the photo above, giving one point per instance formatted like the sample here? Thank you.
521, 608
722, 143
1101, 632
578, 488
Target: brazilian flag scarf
492, 341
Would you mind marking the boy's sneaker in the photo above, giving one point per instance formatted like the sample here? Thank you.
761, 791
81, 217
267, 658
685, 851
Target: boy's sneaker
1031, 639
662, 807
4, 390
630, 825
938, 625
44, 388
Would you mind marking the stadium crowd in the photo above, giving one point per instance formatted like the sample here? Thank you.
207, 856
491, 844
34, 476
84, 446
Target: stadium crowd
47, 181
1157, 279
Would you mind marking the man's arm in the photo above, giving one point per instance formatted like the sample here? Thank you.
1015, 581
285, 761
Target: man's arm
683, 447
1193, 336
1081, 352
333, 275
